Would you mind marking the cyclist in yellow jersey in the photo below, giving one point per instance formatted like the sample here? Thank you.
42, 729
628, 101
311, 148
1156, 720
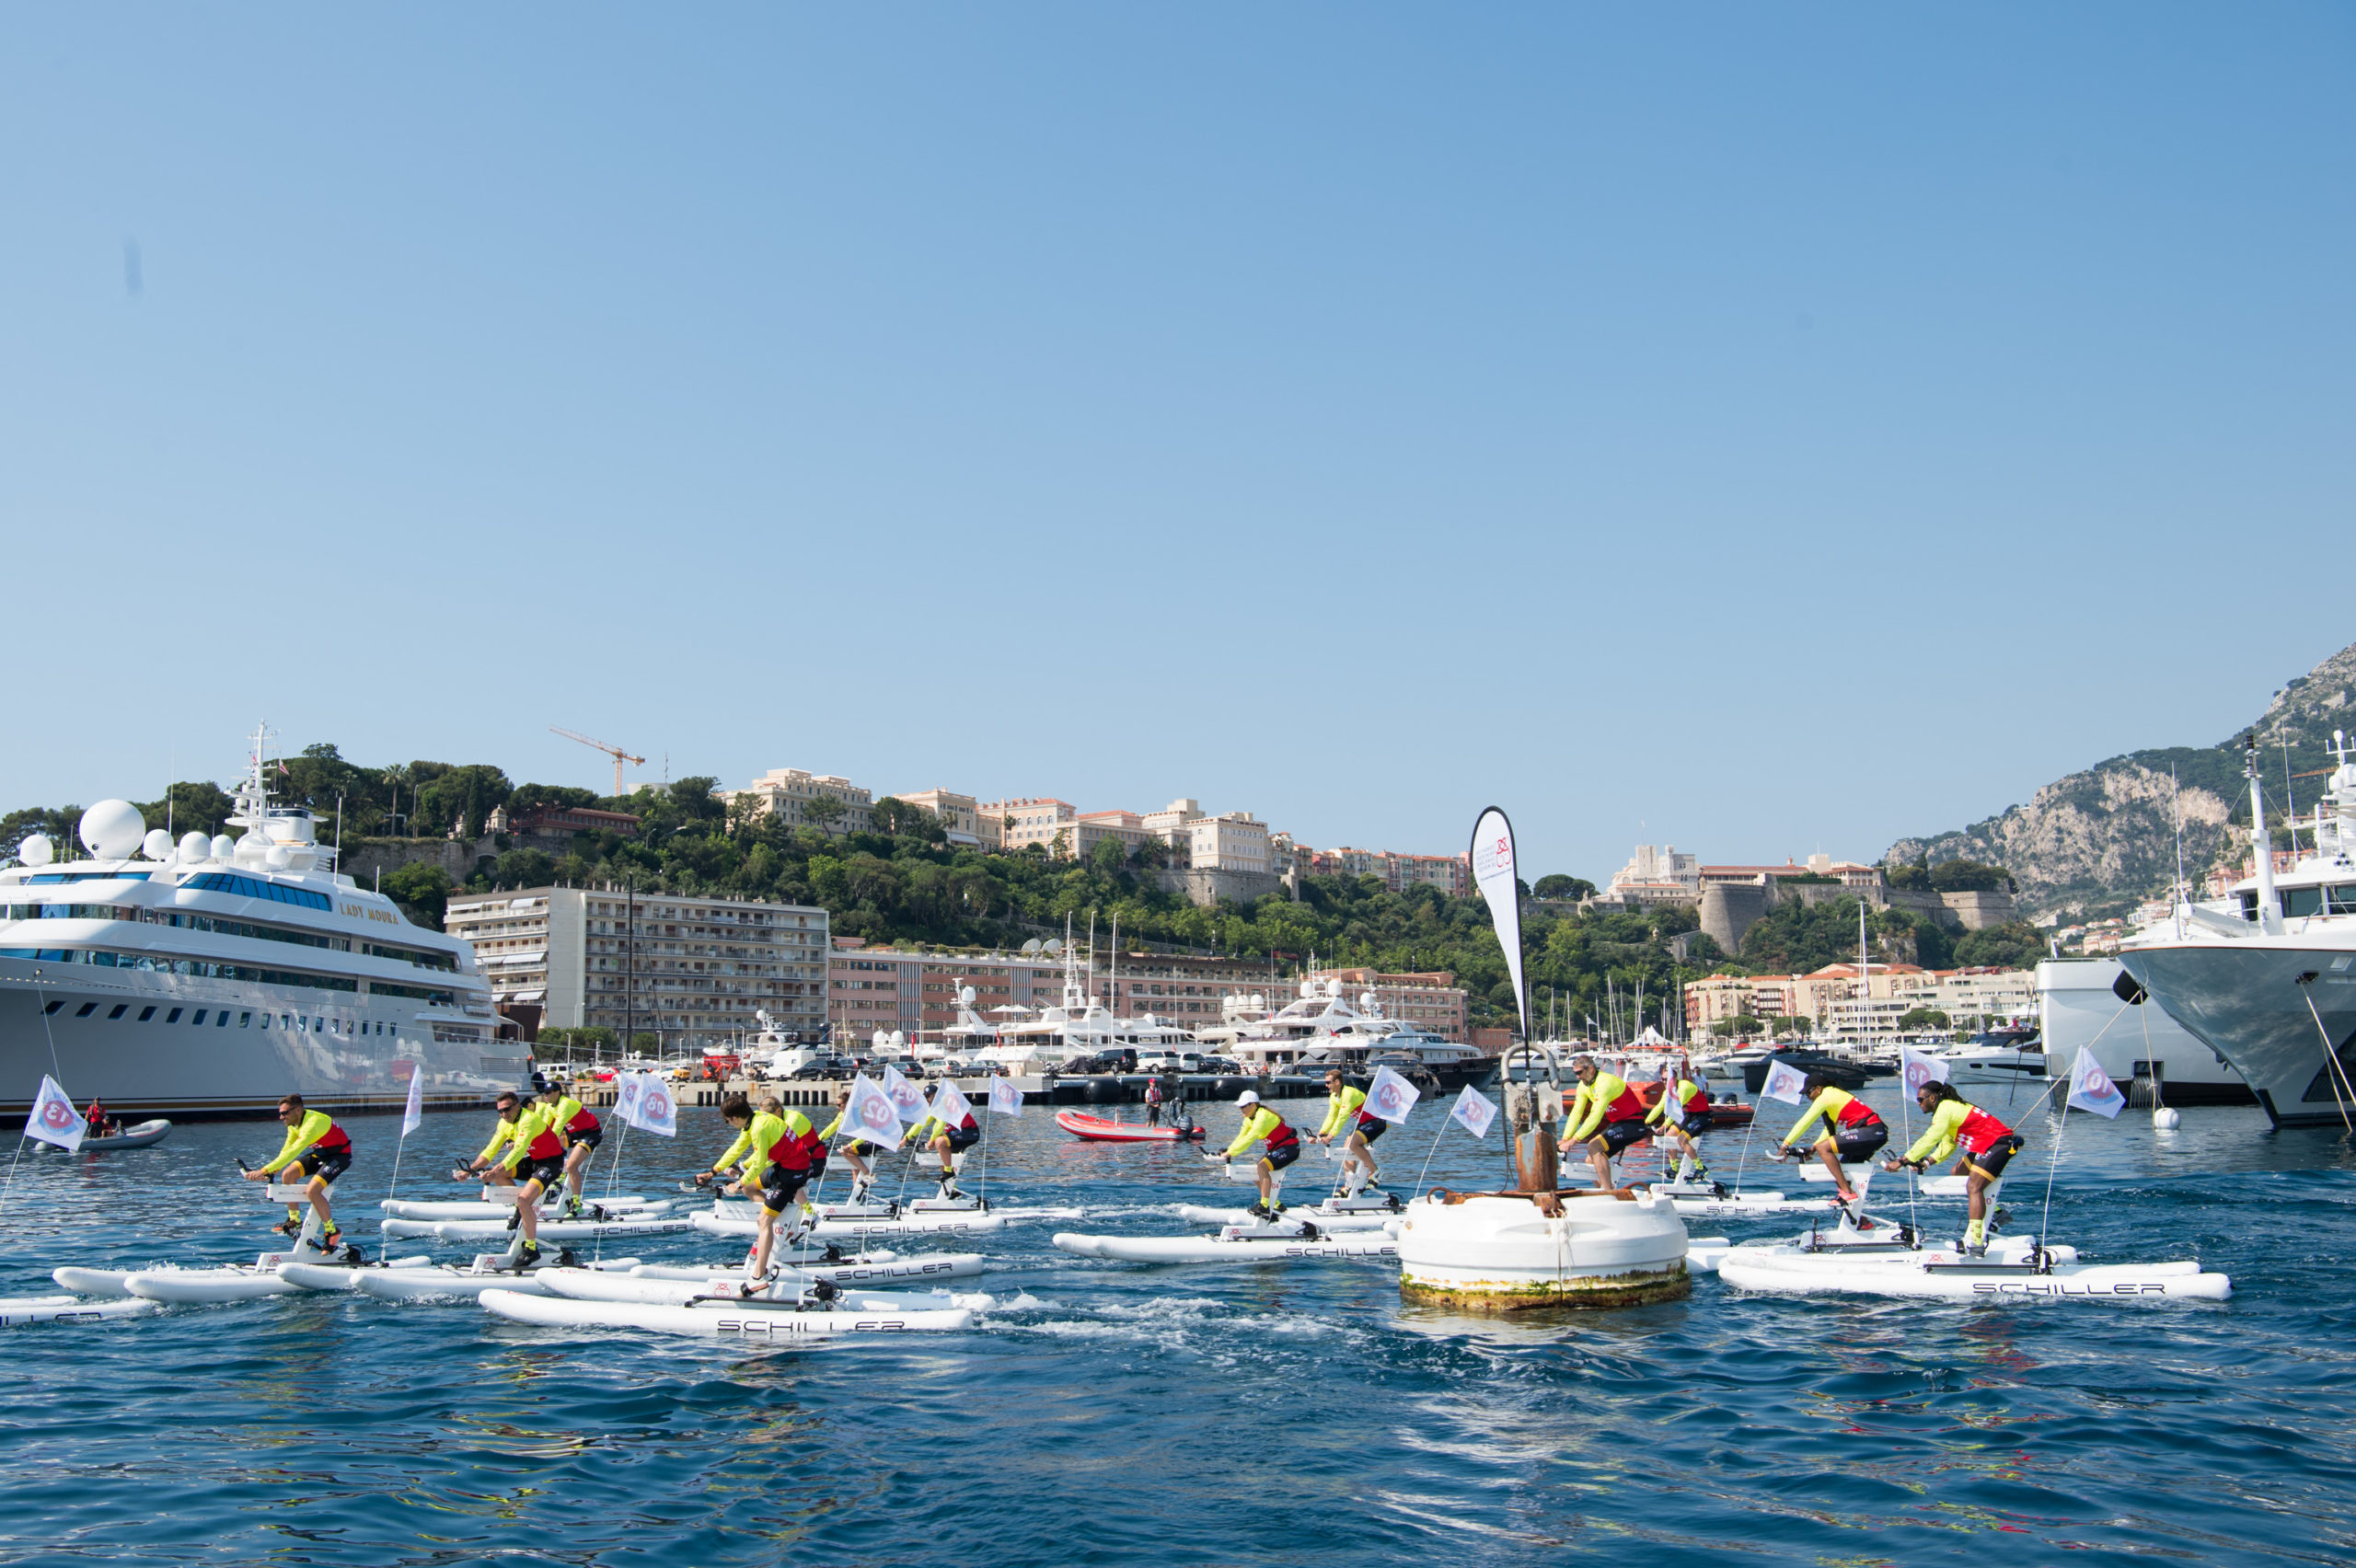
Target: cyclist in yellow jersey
319, 1152
537, 1155
1280, 1147
1345, 1118
777, 1150
856, 1151
1854, 1131
946, 1142
582, 1134
1684, 1112
1613, 1117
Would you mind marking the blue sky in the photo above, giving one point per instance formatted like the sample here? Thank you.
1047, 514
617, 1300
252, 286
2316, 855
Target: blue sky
1783, 428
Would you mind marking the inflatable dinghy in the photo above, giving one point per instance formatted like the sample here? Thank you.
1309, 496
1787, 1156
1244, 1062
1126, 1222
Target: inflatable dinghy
774, 1323
22, 1311
139, 1136
1228, 1248
1100, 1129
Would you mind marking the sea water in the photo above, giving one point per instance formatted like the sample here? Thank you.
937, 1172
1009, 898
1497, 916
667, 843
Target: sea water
1105, 1413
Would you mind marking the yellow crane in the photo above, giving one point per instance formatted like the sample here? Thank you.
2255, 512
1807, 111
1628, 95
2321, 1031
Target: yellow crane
616, 753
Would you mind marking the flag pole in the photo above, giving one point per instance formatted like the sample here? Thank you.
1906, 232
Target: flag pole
1427, 1158
2045, 1222
8, 1192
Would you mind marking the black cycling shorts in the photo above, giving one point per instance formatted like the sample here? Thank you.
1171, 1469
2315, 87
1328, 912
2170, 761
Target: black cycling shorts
1618, 1135
1991, 1162
864, 1150
961, 1139
1695, 1124
328, 1162
780, 1187
589, 1139
1279, 1158
1854, 1145
549, 1172
1371, 1127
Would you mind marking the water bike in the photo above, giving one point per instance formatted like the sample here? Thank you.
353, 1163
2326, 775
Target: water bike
2019, 1269
856, 1268
736, 1216
551, 1208
1098, 1129
718, 1318
138, 1136
623, 1226
173, 1284
23, 1311
1259, 1242
489, 1270
587, 1284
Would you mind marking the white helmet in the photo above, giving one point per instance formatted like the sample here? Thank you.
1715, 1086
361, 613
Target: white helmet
1249, 1097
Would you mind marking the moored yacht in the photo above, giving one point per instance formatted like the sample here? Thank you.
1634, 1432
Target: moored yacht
211, 975
2091, 1004
2268, 981
1322, 1027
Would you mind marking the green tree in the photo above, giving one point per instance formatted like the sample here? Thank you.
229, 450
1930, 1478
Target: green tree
2014, 945
1109, 856
1922, 1018
1561, 886
520, 868
194, 806
1970, 876
422, 889
463, 796
825, 812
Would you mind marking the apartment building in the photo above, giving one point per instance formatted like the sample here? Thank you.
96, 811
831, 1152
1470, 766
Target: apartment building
1453, 874
1839, 1008
1232, 841
691, 969
791, 794
1028, 820
870, 989
967, 824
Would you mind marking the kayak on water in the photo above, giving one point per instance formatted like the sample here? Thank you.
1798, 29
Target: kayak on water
776, 1322
1101, 1129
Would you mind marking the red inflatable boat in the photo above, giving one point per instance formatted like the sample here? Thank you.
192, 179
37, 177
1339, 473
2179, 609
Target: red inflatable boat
1081, 1125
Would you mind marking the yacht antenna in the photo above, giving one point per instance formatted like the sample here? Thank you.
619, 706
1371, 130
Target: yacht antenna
2290, 793
2183, 893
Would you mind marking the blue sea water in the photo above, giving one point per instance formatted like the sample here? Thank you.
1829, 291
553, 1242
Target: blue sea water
1109, 1413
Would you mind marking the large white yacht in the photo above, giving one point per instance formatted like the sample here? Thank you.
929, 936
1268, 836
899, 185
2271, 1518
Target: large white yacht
2091, 1004
1322, 1027
2268, 981
211, 976
1056, 1036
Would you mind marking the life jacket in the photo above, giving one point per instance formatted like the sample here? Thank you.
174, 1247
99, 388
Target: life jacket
1857, 1113
794, 1150
1626, 1106
582, 1123
1281, 1136
1981, 1131
1687, 1105
545, 1145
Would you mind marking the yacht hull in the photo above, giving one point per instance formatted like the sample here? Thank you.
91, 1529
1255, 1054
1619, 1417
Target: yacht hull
327, 1048
2243, 999
2080, 1011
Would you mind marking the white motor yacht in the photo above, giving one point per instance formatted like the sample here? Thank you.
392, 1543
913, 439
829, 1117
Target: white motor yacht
1322, 1027
2091, 1004
2268, 981
211, 975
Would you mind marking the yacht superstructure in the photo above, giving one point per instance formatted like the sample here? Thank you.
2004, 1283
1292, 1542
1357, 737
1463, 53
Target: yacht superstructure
211, 975
1322, 1027
2268, 981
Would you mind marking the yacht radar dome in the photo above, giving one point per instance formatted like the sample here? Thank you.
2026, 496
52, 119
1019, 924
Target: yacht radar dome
965, 997
881, 1039
111, 829
278, 857
195, 846
224, 847
1308, 990
899, 1039
36, 850
157, 845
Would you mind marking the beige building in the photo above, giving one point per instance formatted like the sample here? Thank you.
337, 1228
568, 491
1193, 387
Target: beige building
1657, 874
1837, 1009
1234, 841
1453, 874
691, 969
790, 792
1433, 1002
962, 816
1028, 820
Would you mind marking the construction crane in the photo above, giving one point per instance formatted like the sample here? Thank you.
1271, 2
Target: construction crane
616, 753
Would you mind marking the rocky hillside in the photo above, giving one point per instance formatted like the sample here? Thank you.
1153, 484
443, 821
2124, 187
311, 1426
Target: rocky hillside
2099, 842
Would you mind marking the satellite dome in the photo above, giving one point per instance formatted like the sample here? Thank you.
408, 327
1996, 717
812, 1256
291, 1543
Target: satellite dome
278, 857
882, 1040
1308, 989
195, 846
111, 829
157, 845
1030, 946
965, 997
224, 847
36, 850
898, 1038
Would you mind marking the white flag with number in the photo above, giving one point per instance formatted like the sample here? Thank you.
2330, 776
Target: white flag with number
1919, 1069
54, 1119
871, 1117
1785, 1082
1005, 1099
949, 1105
2091, 1089
413, 1114
1390, 1096
657, 1112
1473, 1110
629, 1089
907, 1098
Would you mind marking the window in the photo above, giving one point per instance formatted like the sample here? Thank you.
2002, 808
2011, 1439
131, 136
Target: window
173, 1016
146, 1013
86, 1010
245, 1019
221, 1019
197, 1021
120, 1009
253, 887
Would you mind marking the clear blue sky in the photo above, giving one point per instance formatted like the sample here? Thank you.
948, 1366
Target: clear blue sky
1788, 427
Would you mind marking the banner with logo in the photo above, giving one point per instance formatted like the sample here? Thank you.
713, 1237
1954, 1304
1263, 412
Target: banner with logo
629, 1088
1785, 1082
1005, 1099
1494, 874
871, 1117
2091, 1089
1390, 1096
1919, 1069
657, 1112
907, 1098
949, 1105
54, 1119
413, 1114
1474, 1111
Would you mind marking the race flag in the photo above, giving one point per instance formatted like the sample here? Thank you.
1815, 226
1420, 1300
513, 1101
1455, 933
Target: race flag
2091, 1089
1473, 1111
657, 1112
907, 1098
871, 1117
1785, 1082
413, 1114
1390, 1096
1005, 1099
949, 1105
1493, 873
53, 1118
629, 1089
1919, 1069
